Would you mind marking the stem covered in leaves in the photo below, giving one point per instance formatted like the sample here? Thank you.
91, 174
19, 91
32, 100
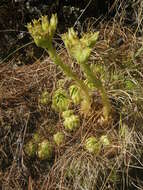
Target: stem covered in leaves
80, 49
98, 84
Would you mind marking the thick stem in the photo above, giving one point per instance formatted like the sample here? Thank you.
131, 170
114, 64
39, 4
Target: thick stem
90, 75
98, 84
67, 70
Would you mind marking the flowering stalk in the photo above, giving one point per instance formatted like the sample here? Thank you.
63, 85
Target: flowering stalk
80, 49
42, 32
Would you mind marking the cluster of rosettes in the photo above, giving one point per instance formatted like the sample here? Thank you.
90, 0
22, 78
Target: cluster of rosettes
93, 145
79, 48
43, 30
43, 149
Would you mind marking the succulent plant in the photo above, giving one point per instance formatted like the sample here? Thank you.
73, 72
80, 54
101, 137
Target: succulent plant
104, 140
75, 94
89, 39
31, 148
80, 49
43, 30
92, 145
72, 122
58, 138
60, 100
45, 98
67, 113
45, 150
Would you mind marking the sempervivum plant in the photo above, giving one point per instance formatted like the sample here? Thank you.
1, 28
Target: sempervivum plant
67, 113
80, 49
104, 140
44, 98
60, 100
31, 149
32, 146
58, 138
45, 150
71, 123
92, 145
43, 30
